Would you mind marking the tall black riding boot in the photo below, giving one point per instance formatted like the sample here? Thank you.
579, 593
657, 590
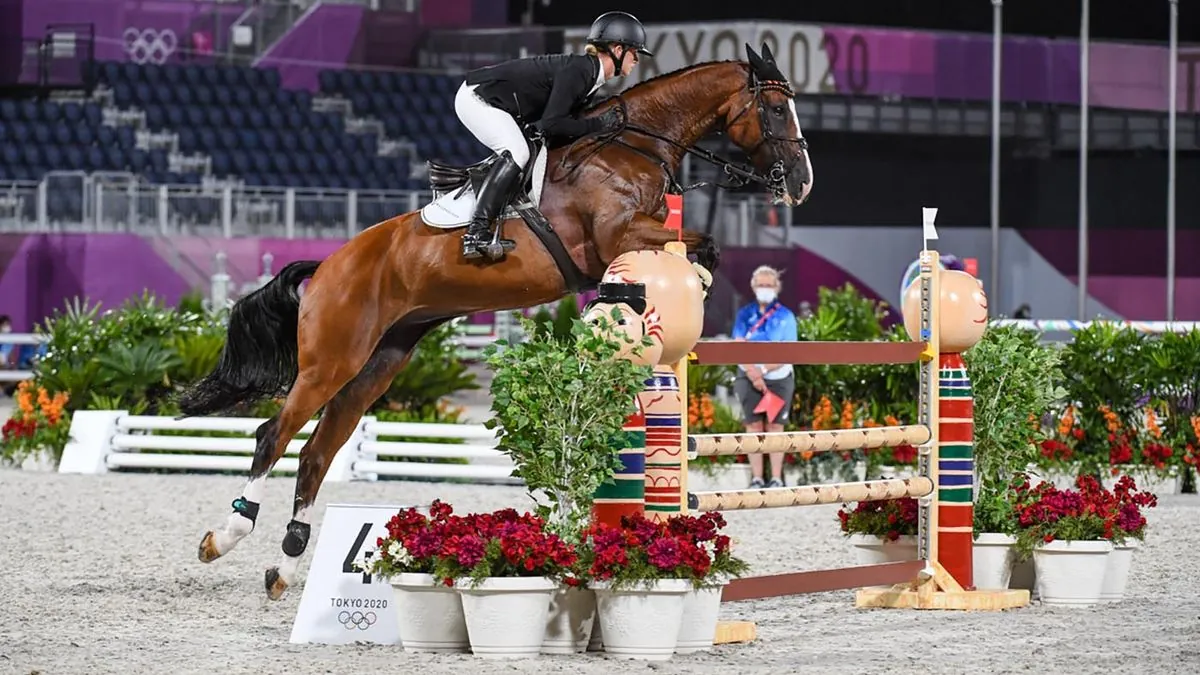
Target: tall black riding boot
489, 203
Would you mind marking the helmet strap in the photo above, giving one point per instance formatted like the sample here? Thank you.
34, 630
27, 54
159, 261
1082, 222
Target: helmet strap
619, 64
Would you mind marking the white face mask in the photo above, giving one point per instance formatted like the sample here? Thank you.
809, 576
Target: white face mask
765, 295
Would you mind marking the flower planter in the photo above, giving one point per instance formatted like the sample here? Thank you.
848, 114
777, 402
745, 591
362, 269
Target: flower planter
1061, 478
506, 616
1148, 479
701, 607
904, 471
1116, 575
719, 478
430, 615
1071, 572
569, 623
642, 622
41, 459
992, 560
872, 550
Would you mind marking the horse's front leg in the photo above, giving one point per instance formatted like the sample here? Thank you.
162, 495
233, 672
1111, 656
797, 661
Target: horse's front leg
647, 234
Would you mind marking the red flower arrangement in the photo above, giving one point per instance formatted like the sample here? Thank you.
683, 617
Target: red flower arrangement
641, 551
475, 546
1090, 513
887, 519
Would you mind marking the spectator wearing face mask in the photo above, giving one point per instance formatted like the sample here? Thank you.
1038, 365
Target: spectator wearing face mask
765, 320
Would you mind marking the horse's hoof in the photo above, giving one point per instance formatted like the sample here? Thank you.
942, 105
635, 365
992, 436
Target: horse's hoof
208, 548
275, 583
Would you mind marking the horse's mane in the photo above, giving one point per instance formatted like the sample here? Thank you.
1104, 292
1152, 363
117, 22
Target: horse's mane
662, 76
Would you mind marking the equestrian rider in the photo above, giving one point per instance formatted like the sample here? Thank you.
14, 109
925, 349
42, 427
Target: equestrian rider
547, 92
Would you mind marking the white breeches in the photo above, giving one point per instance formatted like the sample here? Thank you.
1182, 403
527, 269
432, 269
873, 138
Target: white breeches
492, 126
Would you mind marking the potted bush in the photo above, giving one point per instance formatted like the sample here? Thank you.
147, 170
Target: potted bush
643, 573
1014, 381
1128, 528
34, 437
881, 531
506, 568
1068, 533
430, 612
702, 604
557, 401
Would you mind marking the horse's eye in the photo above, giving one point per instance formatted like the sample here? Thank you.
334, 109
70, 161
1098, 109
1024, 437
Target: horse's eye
778, 110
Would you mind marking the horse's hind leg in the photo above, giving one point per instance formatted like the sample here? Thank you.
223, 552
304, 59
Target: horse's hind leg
337, 424
240, 522
312, 389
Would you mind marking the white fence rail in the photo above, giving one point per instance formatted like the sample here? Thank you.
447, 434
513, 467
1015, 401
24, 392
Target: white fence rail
1072, 325
113, 440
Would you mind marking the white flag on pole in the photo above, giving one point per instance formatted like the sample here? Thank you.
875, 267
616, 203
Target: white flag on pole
928, 215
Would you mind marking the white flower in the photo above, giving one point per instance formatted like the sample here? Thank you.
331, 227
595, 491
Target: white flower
398, 553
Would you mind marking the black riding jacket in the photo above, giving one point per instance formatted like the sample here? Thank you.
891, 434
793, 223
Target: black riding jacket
547, 90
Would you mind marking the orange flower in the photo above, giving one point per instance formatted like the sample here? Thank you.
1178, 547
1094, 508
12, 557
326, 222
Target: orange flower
1067, 421
1196, 426
870, 423
1111, 421
1152, 423
847, 415
891, 421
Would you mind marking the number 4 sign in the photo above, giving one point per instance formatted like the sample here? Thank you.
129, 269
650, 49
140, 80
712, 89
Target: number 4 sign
341, 604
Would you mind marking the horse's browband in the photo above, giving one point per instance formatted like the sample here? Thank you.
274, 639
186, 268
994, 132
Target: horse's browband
777, 85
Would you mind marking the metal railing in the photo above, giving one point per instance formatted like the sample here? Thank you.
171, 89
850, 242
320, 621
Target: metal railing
122, 202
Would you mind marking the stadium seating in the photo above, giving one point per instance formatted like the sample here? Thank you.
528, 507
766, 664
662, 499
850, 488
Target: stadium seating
240, 117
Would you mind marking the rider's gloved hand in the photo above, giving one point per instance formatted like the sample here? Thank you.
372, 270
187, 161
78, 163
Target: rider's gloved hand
611, 120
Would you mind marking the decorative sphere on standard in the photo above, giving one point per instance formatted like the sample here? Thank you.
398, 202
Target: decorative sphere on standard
674, 298
963, 311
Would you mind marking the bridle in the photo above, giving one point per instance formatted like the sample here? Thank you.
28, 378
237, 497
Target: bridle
740, 175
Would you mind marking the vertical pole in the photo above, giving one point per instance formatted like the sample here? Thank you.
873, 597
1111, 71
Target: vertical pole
1172, 104
927, 536
1084, 52
997, 32
680, 249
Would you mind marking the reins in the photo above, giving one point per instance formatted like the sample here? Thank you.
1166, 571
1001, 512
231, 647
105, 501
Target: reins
740, 174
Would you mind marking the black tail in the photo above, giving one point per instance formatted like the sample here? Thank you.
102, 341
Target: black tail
260, 354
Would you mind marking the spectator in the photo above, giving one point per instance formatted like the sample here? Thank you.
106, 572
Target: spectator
765, 320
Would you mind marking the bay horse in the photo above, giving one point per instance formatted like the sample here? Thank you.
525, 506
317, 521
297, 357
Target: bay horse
369, 303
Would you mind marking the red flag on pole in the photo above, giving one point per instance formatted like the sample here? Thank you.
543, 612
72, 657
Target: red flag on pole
674, 219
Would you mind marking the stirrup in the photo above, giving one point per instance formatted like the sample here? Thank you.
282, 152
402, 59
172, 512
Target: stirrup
498, 246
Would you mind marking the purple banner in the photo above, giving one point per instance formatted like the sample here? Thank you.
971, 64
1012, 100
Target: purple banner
880, 62
325, 37
143, 31
920, 64
39, 273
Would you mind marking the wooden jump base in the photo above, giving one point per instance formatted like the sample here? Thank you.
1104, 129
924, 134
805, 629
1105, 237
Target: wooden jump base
916, 584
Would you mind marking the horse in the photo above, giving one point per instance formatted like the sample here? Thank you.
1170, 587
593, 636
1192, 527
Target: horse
338, 345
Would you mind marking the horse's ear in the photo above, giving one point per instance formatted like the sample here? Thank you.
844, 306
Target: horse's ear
752, 57
767, 56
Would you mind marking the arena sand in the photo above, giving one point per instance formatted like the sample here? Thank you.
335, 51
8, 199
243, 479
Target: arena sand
98, 574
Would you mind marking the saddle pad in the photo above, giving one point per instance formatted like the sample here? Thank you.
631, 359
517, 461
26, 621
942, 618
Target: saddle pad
454, 209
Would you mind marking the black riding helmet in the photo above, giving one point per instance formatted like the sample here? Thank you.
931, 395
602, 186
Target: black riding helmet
621, 28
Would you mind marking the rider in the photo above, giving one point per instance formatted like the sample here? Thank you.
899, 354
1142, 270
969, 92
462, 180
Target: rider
548, 92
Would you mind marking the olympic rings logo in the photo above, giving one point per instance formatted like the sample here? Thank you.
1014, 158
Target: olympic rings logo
149, 45
357, 620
